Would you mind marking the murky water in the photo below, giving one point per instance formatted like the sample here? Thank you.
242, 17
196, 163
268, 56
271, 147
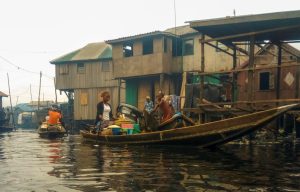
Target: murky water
29, 163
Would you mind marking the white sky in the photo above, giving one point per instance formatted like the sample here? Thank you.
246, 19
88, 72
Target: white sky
33, 32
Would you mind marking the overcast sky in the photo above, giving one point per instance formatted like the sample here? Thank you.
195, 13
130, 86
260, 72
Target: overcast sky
33, 32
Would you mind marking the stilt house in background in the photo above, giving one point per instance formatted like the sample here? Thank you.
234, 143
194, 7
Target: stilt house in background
83, 75
145, 63
1, 96
265, 75
276, 29
155, 61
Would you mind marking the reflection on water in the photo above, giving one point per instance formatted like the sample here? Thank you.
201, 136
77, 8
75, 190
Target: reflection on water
29, 163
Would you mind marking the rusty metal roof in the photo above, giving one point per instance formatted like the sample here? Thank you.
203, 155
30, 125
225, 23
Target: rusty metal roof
92, 51
278, 26
3, 94
182, 30
140, 36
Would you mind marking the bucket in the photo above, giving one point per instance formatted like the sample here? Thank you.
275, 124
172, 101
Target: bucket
129, 131
116, 131
136, 128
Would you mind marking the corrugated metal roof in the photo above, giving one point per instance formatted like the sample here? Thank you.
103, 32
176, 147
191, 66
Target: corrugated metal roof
92, 51
182, 30
24, 107
278, 26
3, 94
139, 36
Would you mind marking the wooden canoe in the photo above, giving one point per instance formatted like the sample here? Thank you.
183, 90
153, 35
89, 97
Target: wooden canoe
4, 129
51, 131
204, 135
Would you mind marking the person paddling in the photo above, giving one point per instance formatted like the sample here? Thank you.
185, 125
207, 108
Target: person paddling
164, 107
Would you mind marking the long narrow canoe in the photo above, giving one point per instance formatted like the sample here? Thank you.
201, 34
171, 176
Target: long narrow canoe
51, 131
204, 135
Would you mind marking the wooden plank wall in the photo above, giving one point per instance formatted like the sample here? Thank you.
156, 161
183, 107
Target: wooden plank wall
214, 61
85, 101
139, 64
286, 91
93, 76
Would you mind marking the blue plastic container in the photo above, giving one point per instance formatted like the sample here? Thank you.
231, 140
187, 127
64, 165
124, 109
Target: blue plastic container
116, 131
129, 131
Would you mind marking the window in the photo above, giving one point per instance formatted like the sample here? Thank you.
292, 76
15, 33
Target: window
63, 69
176, 47
83, 97
105, 66
147, 46
128, 49
165, 45
266, 81
293, 58
80, 68
188, 47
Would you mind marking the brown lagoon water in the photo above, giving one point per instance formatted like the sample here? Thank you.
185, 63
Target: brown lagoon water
29, 163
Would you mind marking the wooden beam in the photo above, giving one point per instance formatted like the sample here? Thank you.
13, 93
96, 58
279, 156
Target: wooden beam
242, 50
255, 101
263, 48
202, 67
288, 51
278, 78
218, 48
234, 76
247, 69
202, 116
251, 33
250, 70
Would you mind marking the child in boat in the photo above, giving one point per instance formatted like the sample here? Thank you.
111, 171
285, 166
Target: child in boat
164, 107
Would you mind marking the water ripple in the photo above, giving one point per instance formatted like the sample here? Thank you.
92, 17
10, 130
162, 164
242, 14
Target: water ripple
29, 163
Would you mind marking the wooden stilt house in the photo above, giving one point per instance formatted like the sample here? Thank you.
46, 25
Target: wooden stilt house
83, 75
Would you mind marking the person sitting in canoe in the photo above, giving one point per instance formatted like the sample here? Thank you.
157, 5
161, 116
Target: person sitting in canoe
104, 112
54, 115
164, 107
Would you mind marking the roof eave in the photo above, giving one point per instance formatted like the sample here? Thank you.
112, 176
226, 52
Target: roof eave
83, 60
244, 18
141, 36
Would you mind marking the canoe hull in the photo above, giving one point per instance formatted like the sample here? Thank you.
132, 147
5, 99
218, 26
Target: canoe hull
204, 135
51, 132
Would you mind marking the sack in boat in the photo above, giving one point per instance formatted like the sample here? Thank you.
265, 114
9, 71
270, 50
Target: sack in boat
106, 132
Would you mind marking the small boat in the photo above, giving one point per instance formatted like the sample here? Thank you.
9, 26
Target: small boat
51, 131
4, 128
203, 135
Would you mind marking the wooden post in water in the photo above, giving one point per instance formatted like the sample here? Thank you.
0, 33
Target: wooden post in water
30, 93
202, 66
234, 76
297, 127
55, 90
288, 123
38, 107
11, 109
250, 70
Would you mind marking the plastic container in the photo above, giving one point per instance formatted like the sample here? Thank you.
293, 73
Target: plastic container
136, 129
129, 131
127, 126
116, 131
